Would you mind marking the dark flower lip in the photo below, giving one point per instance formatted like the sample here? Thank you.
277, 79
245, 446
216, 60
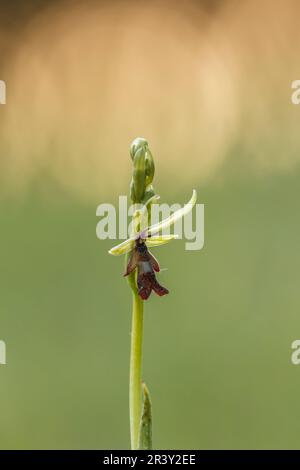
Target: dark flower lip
146, 283
146, 264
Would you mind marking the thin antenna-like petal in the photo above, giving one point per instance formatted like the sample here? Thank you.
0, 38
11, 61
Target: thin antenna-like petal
174, 217
153, 261
132, 263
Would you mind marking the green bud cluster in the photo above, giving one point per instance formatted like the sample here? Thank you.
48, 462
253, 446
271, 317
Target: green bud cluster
141, 188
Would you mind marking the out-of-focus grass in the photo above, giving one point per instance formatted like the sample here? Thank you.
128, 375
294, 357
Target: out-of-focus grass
86, 78
217, 349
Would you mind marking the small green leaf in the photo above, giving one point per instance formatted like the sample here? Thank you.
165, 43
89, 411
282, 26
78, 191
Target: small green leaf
146, 421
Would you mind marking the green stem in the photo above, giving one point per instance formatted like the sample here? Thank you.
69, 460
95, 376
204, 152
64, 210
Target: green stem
135, 379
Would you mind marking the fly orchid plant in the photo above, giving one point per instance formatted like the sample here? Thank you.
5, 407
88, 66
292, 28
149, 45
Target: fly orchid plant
140, 269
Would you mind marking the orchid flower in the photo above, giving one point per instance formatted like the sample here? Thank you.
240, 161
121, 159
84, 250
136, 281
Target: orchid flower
150, 235
140, 257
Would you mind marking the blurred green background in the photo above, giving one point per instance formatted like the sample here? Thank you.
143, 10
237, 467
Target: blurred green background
209, 85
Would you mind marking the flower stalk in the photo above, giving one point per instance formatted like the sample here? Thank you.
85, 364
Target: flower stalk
141, 190
140, 269
135, 375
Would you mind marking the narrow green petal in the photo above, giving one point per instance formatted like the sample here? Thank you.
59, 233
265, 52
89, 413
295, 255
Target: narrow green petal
152, 200
160, 240
122, 248
175, 216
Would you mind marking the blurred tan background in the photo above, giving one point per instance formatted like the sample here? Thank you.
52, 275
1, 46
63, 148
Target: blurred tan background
209, 85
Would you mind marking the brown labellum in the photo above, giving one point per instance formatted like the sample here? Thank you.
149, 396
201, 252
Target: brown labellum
146, 265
